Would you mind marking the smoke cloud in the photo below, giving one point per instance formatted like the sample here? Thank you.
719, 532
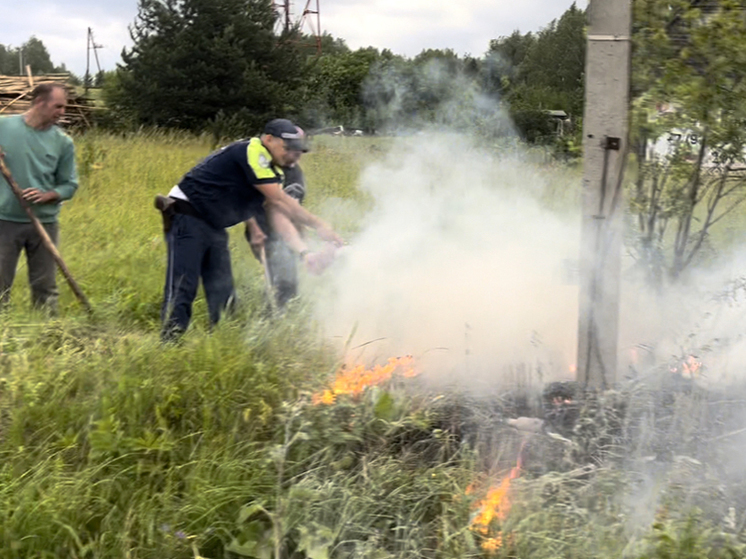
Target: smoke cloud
468, 260
700, 318
459, 263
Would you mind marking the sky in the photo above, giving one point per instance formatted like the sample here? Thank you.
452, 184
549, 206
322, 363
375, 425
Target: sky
404, 26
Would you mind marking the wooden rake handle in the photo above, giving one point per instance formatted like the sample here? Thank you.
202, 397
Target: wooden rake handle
270, 289
44, 235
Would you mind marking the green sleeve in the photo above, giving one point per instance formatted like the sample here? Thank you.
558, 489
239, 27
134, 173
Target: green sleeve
66, 176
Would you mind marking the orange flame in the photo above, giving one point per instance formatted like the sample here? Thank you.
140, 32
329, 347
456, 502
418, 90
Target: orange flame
495, 506
491, 545
357, 379
690, 367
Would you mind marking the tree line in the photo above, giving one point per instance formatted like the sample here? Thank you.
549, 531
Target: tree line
220, 65
32, 53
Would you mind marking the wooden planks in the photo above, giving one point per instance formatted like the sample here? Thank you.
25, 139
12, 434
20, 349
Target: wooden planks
15, 98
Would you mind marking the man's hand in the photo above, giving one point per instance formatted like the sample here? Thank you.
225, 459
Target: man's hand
255, 236
327, 234
36, 196
317, 262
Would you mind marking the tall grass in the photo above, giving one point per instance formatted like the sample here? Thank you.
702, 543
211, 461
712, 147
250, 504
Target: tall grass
112, 445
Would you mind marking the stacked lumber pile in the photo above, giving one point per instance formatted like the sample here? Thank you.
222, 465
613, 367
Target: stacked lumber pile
15, 98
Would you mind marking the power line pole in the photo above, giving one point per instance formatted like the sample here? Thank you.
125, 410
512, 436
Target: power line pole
90, 46
605, 141
284, 21
308, 16
87, 77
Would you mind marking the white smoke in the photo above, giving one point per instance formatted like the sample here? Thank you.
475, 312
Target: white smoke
459, 263
702, 317
468, 258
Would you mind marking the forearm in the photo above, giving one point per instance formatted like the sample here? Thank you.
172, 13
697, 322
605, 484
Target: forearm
284, 227
255, 236
252, 229
294, 212
65, 191
279, 201
66, 176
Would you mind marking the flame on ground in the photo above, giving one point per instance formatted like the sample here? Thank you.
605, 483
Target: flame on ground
690, 367
354, 381
495, 506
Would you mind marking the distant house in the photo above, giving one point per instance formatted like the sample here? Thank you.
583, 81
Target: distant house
682, 141
337, 131
561, 121
331, 130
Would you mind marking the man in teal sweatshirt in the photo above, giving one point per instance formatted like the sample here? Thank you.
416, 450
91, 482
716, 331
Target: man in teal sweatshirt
41, 158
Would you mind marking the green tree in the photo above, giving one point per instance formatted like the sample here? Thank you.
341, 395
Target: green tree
32, 53
504, 57
335, 86
556, 60
330, 45
690, 86
435, 88
538, 72
8, 60
36, 56
193, 58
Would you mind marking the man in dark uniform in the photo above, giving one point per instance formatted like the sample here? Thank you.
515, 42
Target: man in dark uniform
240, 181
280, 258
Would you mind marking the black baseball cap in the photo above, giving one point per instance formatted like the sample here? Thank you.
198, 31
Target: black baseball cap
292, 135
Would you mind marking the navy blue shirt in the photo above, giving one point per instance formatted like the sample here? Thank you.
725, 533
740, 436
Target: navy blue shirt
222, 187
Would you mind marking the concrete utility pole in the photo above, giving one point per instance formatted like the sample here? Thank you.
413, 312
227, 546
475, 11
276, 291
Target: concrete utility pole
605, 129
90, 46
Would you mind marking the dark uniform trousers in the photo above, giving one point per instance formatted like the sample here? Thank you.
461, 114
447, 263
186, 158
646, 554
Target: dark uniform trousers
195, 250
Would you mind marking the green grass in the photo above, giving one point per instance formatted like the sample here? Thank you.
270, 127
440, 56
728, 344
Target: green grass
114, 446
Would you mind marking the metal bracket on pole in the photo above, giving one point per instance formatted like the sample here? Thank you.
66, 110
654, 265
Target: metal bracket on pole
612, 143
608, 38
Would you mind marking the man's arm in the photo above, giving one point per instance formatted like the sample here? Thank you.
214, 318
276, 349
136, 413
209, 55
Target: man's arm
282, 225
255, 236
279, 223
277, 200
66, 181
66, 176
315, 262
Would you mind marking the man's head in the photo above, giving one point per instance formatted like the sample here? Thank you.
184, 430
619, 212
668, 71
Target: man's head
48, 101
285, 141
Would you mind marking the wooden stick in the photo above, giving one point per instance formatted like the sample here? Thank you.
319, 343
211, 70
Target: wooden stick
268, 280
30, 77
726, 435
21, 96
44, 235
